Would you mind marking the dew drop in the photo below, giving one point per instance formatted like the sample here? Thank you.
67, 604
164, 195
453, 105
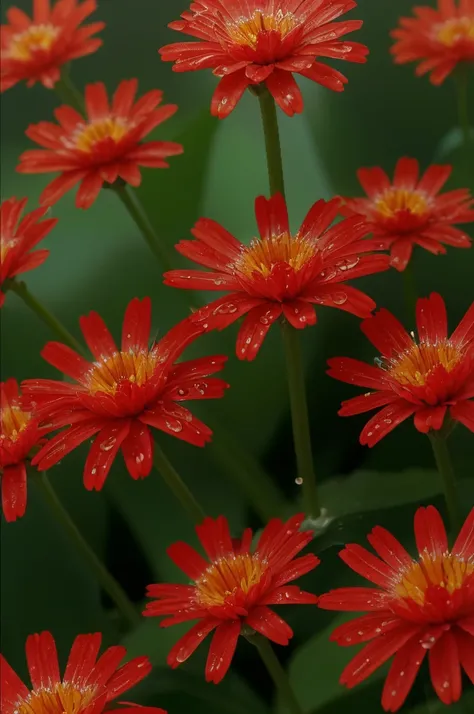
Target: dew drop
108, 444
175, 426
299, 481
225, 309
218, 281
387, 421
264, 320
339, 298
183, 392
140, 458
93, 471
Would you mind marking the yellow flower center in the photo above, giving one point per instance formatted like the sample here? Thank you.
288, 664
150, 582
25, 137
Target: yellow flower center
136, 368
445, 571
415, 366
5, 247
13, 421
107, 128
35, 38
401, 199
459, 28
227, 576
246, 31
63, 699
262, 255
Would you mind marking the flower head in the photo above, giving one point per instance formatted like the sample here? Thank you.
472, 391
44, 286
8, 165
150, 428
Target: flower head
259, 41
89, 684
427, 378
122, 393
19, 434
105, 146
232, 589
420, 607
409, 211
18, 239
278, 273
439, 39
34, 50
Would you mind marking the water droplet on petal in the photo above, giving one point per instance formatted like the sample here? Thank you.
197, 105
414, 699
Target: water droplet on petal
339, 298
108, 444
175, 426
299, 481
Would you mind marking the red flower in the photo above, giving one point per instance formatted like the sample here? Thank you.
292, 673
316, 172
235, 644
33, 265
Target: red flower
88, 686
420, 607
427, 378
16, 241
35, 50
122, 393
18, 435
233, 589
438, 39
409, 211
106, 146
278, 273
247, 43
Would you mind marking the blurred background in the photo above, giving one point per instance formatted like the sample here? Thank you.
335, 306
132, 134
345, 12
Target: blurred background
99, 262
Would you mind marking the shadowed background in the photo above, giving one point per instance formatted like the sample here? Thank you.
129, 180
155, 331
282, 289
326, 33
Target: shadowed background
99, 262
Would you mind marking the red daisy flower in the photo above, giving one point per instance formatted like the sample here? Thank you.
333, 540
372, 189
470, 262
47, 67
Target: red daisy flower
232, 590
278, 273
437, 39
122, 393
19, 433
17, 240
35, 49
420, 606
426, 378
249, 42
89, 684
105, 146
410, 212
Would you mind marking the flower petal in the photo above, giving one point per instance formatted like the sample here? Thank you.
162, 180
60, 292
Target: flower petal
269, 624
103, 452
222, 650
13, 484
430, 533
185, 647
445, 668
42, 659
405, 666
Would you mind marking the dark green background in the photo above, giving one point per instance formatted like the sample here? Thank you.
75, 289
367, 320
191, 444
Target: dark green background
99, 261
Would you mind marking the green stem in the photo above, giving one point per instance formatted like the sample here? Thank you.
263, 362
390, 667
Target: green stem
443, 461
43, 313
409, 291
135, 209
106, 580
462, 80
175, 483
69, 94
272, 142
276, 672
300, 420
262, 493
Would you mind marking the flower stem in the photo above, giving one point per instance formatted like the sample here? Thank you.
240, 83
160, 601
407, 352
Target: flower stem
276, 672
443, 461
68, 93
409, 291
106, 580
174, 481
43, 313
462, 80
272, 141
135, 209
300, 420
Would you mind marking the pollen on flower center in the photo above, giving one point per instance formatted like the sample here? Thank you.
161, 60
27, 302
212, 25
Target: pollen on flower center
246, 30
459, 28
228, 576
393, 200
91, 134
446, 571
122, 366
413, 367
261, 256
63, 699
13, 421
36, 38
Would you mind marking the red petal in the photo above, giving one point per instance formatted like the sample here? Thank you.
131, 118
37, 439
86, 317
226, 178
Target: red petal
97, 103
61, 185
42, 659
187, 559
434, 179
128, 675
89, 190
445, 668
215, 537
464, 413
374, 181
254, 329
136, 325
464, 332
366, 402
431, 319
66, 360
402, 674
385, 421
430, 533
228, 92
272, 216
465, 643
389, 548
364, 628
12, 689
285, 91
429, 418
82, 658
270, 625
137, 450
464, 545
103, 452
353, 371
354, 600
367, 565
387, 333
406, 173
98, 338
124, 96
65, 442
14, 491
185, 647
299, 313
400, 253
222, 650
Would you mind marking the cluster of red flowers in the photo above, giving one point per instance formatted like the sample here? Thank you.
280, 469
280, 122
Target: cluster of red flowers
419, 606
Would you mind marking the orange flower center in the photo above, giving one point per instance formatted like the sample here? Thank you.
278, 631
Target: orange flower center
415, 366
123, 366
246, 31
63, 699
228, 576
13, 421
445, 571
35, 38
262, 255
401, 199
91, 134
459, 28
